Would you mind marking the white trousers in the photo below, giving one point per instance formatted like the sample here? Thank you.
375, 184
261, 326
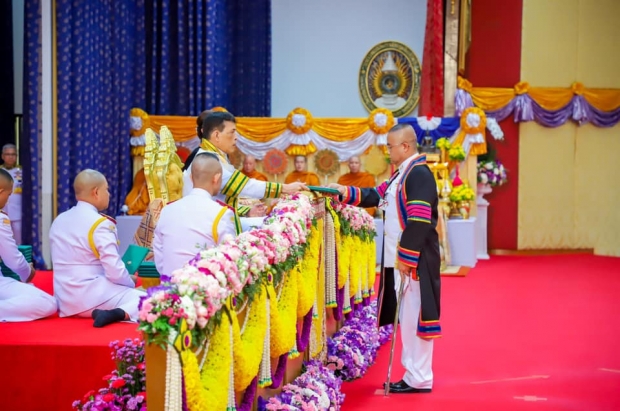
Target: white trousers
16, 226
127, 301
417, 353
24, 302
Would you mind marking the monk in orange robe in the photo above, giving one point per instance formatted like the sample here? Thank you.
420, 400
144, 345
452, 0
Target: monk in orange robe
358, 178
249, 169
138, 198
301, 175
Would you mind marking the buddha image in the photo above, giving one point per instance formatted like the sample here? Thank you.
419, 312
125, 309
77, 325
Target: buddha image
390, 78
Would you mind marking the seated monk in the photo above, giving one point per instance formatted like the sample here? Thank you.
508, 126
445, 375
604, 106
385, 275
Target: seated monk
138, 198
90, 278
358, 178
249, 169
300, 175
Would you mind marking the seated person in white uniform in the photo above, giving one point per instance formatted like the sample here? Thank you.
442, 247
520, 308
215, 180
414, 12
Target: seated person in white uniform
195, 222
90, 279
19, 301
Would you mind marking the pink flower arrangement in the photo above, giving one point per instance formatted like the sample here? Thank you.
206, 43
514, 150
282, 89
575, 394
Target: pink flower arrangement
355, 220
196, 292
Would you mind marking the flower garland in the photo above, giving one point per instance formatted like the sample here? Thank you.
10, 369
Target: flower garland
126, 386
194, 393
215, 373
283, 339
308, 273
247, 341
318, 317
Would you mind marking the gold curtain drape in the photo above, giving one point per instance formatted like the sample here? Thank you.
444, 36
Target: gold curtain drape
549, 98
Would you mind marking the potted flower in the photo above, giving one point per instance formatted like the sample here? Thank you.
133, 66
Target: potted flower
461, 197
491, 172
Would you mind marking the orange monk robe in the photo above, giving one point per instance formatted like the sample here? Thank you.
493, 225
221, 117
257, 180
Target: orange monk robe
256, 175
309, 179
362, 180
138, 198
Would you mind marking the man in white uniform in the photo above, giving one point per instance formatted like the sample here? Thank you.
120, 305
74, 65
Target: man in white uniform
411, 254
195, 222
220, 137
14, 206
90, 279
19, 301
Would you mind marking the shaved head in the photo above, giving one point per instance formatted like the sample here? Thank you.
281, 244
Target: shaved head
402, 143
300, 163
355, 164
86, 181
249, 163
6, 179
91, 187
207, 172
6, 187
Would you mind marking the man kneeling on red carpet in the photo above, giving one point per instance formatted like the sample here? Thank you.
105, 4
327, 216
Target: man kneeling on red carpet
90, 278
19, 301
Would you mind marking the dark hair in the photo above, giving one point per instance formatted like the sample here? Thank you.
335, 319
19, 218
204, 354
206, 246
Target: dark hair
5, 175
215, 121
199, 120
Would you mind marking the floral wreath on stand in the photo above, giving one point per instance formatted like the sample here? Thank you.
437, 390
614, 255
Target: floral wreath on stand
275, 162
327, 163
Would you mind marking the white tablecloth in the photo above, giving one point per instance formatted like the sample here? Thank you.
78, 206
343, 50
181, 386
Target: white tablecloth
462, 239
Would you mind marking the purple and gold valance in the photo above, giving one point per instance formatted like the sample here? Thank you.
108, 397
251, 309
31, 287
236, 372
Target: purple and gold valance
549, 106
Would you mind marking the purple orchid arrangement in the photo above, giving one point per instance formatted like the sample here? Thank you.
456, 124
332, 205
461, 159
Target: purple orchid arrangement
317, 389
491, 172
126, 390
353, 349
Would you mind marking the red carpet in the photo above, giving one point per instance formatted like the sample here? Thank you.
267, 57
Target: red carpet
47, 364
520, 333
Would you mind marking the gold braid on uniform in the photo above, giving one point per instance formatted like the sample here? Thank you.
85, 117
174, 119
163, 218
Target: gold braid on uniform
273, 190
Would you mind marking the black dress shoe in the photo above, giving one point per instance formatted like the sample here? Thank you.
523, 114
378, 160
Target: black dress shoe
400, 384
401, 387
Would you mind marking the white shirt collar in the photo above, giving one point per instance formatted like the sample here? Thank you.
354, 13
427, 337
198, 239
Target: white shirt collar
200, 192
406, 163
87, 205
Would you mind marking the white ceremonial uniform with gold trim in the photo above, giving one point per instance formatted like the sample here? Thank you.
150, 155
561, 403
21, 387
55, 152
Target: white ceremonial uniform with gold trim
19, 301
252, 189
13, 207
187, 226
88, 270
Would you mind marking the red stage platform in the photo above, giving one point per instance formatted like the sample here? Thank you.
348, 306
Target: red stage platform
47, 364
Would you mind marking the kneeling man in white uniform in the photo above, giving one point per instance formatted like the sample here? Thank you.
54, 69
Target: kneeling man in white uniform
90, 279
19, 301
196, 221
